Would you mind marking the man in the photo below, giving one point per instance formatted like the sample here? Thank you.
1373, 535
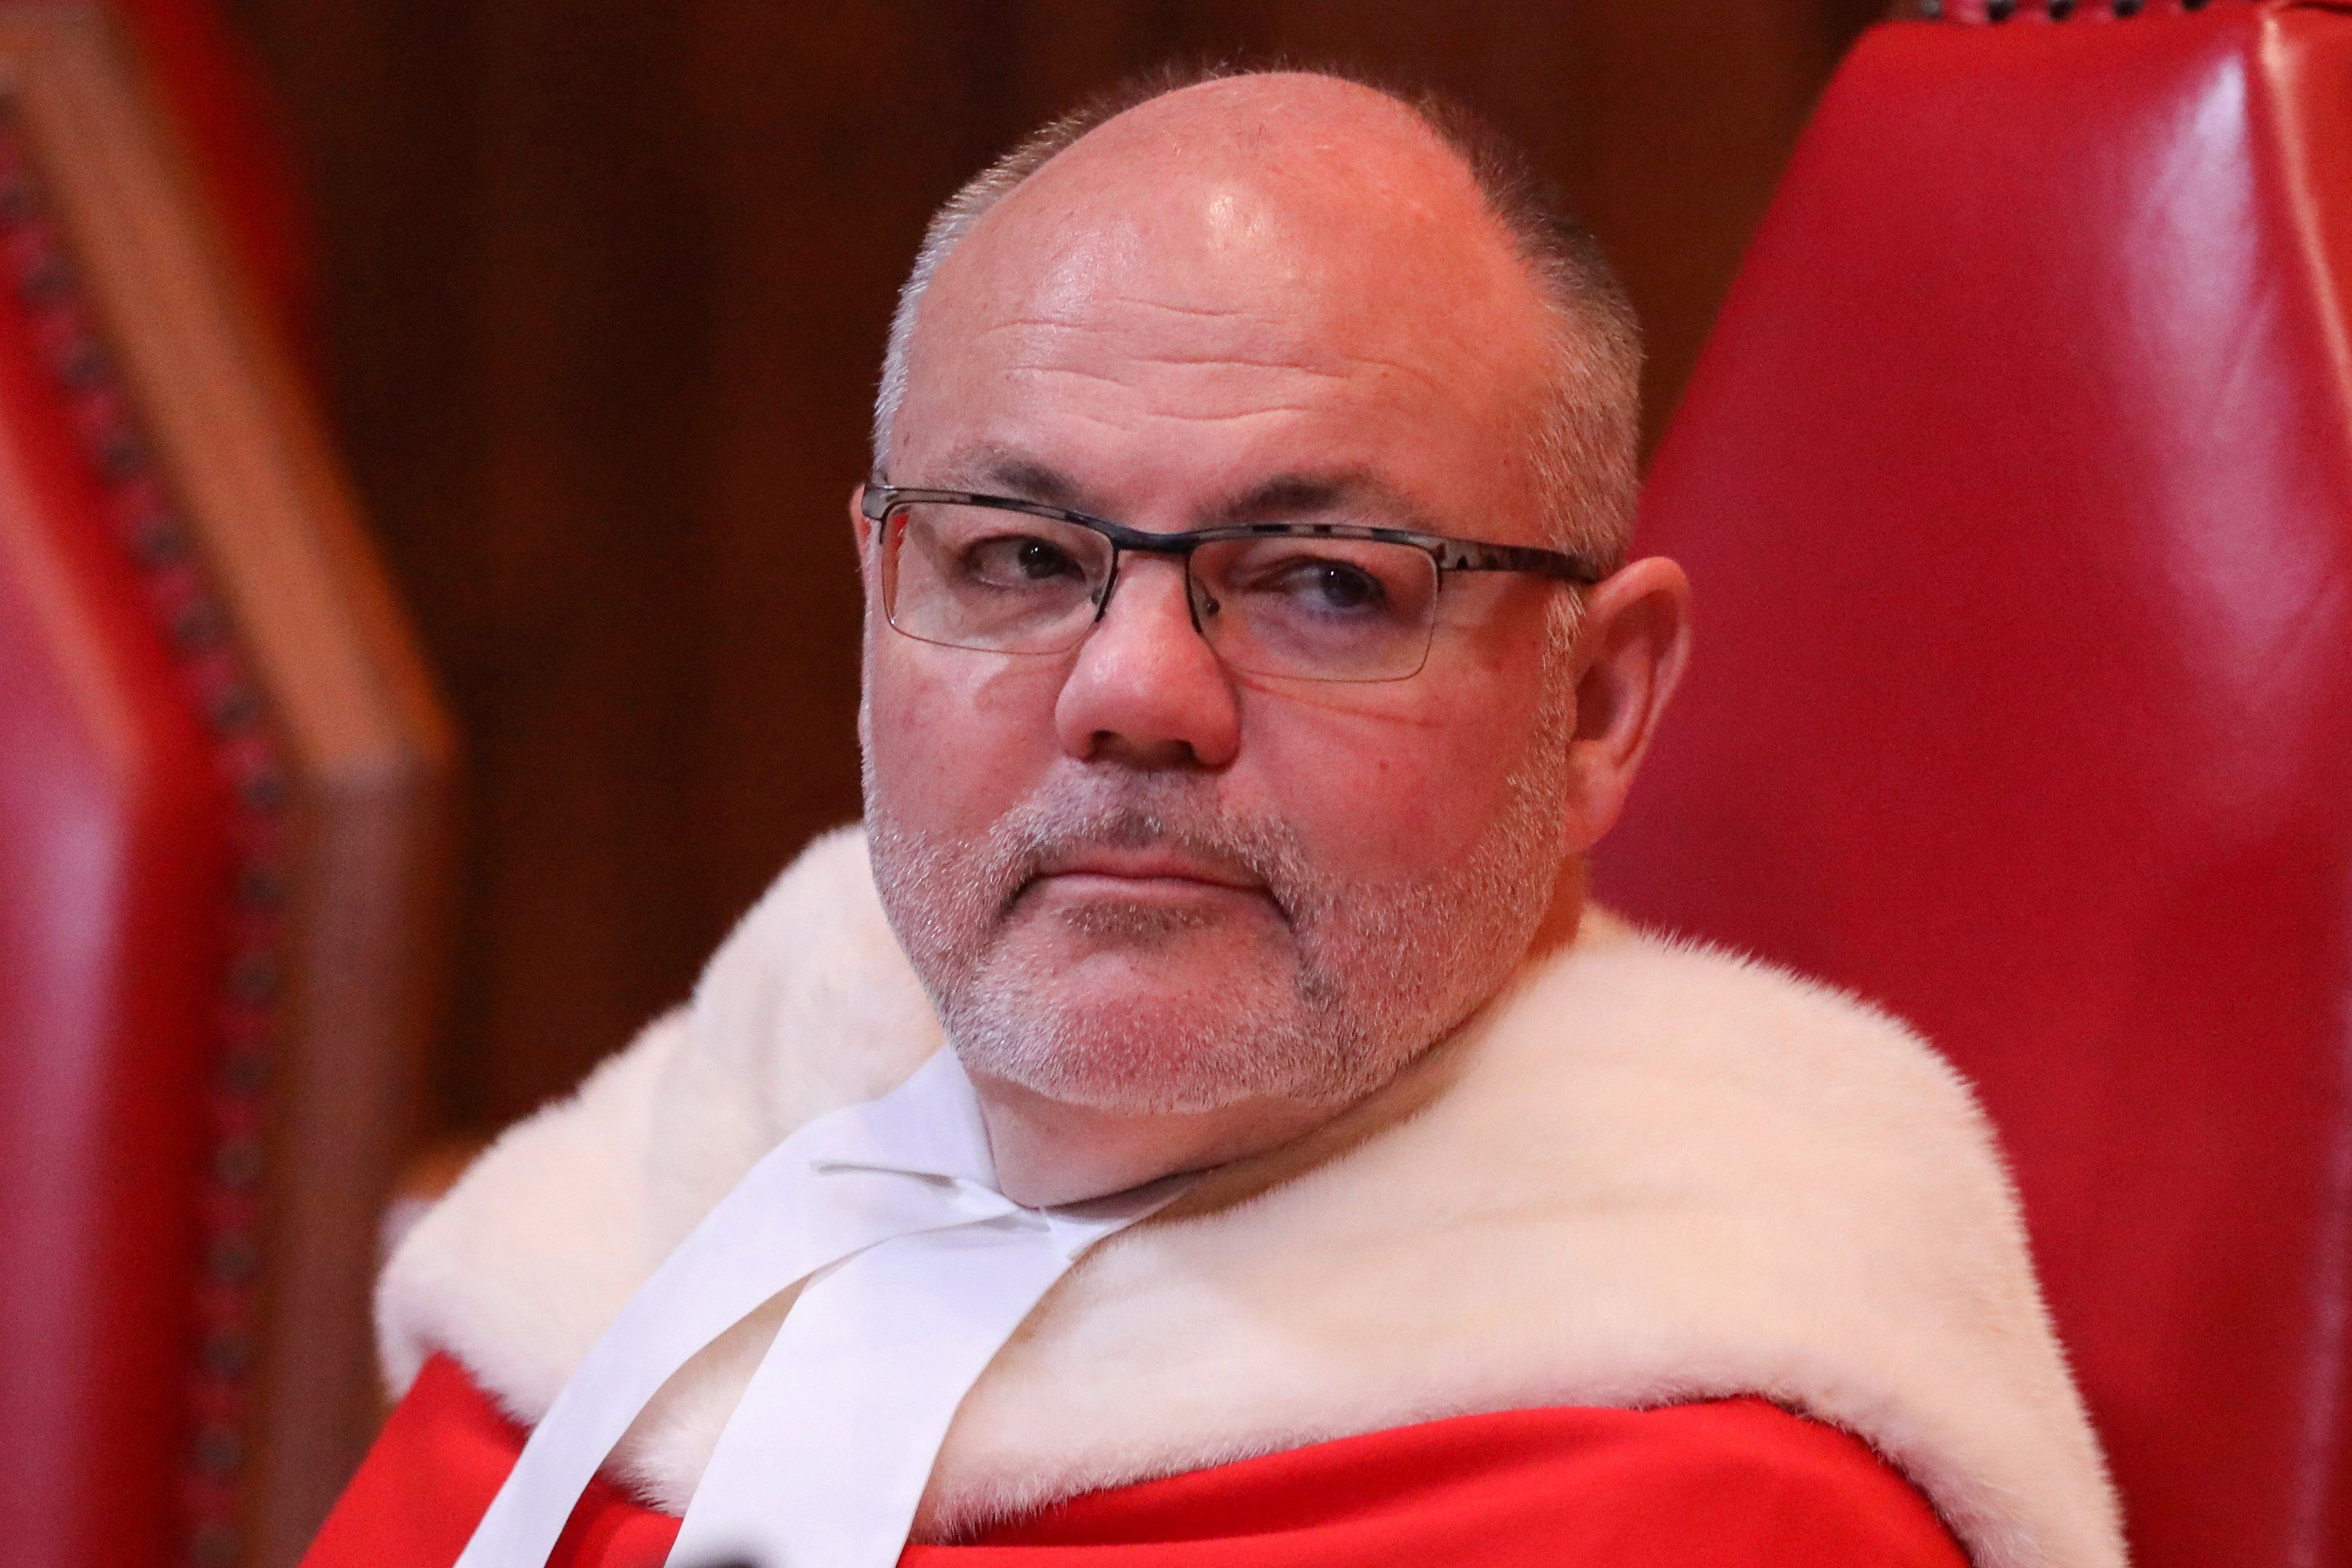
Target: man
1313, 1176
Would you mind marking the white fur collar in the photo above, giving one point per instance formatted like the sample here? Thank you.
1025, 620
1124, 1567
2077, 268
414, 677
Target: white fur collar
1648, 1174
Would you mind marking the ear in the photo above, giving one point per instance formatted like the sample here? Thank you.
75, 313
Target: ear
1629, 657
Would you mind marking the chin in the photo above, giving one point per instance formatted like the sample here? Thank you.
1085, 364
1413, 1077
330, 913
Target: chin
1111, 1070
1107, 958
1114, 1032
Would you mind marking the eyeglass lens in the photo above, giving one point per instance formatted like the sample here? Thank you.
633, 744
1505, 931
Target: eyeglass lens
1310, 607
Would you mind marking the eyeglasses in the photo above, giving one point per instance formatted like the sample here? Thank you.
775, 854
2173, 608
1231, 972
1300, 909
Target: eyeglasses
1310, 601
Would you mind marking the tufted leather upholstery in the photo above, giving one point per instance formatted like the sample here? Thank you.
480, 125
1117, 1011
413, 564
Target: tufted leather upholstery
221, 769
115, 848
2016, 486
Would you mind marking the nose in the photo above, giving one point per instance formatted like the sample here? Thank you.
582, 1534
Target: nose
1146, 689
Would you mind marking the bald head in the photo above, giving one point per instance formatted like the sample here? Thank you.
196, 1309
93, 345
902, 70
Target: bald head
1201, 414
1296, 213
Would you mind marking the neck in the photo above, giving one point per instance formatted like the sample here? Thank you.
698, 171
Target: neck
1049, 1153
1565, 914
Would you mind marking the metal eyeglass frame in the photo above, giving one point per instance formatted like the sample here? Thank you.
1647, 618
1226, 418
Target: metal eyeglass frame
1450, 554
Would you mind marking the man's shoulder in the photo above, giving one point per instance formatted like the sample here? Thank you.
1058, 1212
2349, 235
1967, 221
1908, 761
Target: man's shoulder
1726, 1482
1786, 1088
1649, 1174
1729, 1482
519, 1268
808, 1006
1629, 993
430, 1478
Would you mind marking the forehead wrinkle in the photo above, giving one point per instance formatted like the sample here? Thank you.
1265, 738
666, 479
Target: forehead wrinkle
1079, 322
1172, 361
1197, 416
1075, 320
1170, 307
1333, 365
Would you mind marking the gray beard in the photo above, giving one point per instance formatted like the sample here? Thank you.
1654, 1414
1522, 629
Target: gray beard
1371, 974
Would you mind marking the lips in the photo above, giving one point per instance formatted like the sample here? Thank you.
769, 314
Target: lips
1145, 867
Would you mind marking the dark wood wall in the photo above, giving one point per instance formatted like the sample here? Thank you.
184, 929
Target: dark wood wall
603, 288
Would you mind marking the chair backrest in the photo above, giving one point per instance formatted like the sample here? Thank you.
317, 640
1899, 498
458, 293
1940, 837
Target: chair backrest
115, 838
2016, 486
221, 775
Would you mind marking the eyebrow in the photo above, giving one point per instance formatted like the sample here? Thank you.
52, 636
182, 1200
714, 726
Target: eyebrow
1025, 479
1308, 494
1291, 495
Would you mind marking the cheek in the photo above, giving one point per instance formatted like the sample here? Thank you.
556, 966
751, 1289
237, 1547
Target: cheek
956, 739
1390, 782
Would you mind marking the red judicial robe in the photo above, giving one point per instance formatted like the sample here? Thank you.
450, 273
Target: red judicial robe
1555, 1270
1734, 1484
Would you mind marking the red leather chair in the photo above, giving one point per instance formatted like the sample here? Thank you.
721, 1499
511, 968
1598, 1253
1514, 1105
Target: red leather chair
118, 837
2016, 486
220, 765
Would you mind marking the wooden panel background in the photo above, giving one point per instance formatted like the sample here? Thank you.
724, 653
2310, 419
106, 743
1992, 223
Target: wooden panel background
604, 286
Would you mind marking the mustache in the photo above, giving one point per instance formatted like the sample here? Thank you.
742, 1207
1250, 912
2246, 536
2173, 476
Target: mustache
1147, 813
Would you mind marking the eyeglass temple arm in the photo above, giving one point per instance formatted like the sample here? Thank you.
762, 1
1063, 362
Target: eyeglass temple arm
1567, 566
